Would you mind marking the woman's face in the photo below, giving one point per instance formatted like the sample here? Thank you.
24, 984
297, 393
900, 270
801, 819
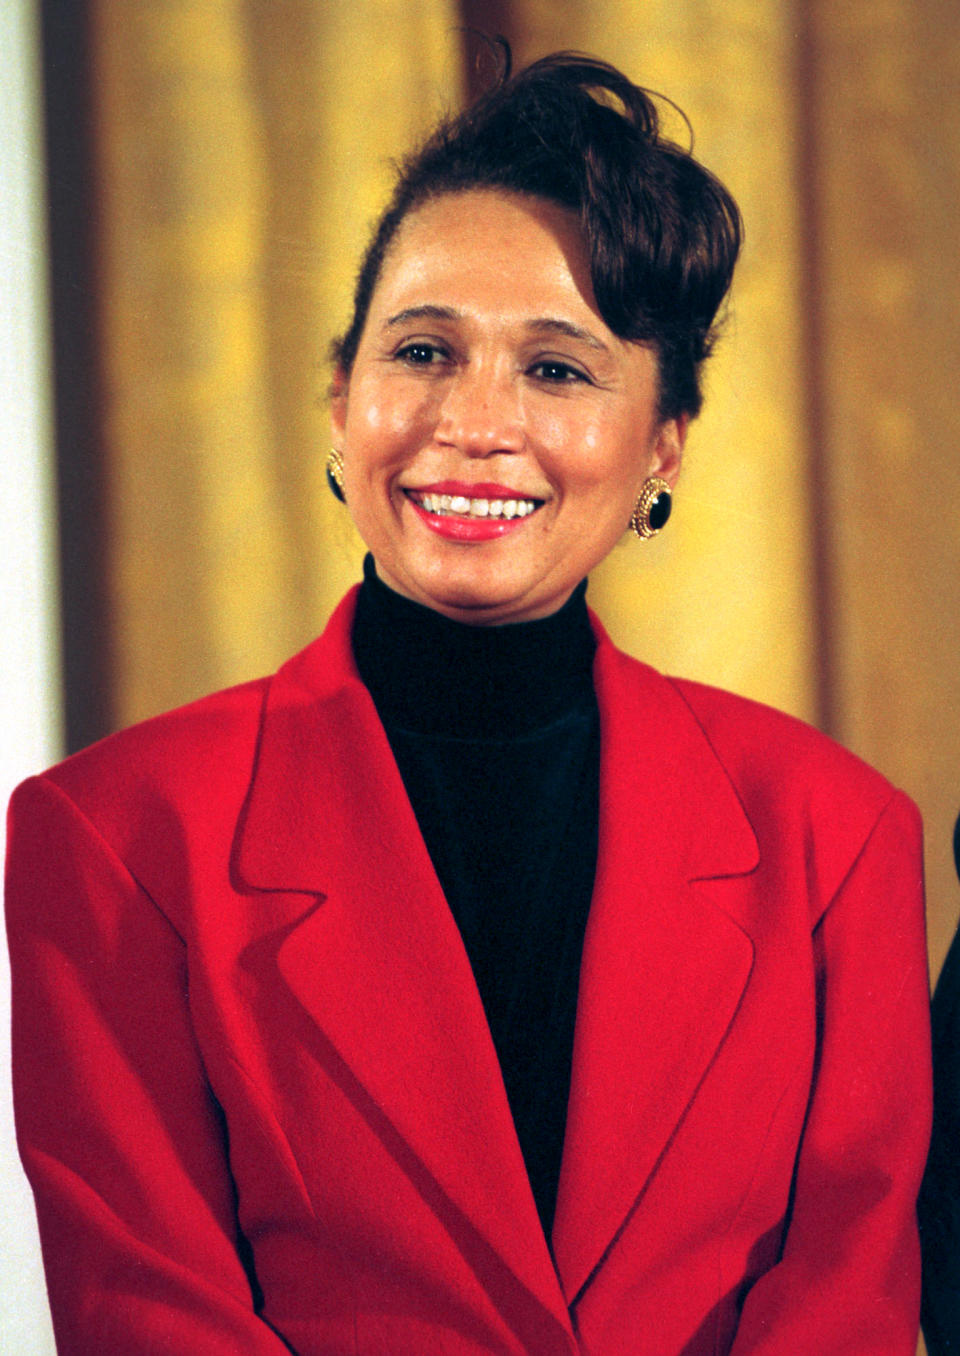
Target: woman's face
495, 433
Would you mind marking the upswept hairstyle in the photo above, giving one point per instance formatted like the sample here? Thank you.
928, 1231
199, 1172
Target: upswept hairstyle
662, 233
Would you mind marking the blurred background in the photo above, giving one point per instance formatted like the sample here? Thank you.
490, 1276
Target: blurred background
186, 187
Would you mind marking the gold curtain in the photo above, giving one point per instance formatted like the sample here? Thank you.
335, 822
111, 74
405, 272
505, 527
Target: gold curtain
814, 557
244, 148
884, 159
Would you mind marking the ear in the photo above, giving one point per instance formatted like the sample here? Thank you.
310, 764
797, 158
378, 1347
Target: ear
339, 389
668, 446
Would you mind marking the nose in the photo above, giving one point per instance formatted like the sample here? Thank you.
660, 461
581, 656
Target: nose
480, 413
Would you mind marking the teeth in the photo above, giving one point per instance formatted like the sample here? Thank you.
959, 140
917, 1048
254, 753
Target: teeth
475, 508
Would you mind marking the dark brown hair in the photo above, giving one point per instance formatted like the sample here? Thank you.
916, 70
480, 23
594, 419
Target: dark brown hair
662, 233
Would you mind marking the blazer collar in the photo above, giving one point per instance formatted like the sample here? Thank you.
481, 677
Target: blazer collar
380, 956
665, 960
320, 725
379, 965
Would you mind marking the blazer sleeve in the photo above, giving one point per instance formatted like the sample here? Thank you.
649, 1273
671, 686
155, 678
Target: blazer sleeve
118, 1130
849, 1274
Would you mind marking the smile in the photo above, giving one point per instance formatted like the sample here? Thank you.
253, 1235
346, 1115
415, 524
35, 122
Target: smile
459, 506
486, 514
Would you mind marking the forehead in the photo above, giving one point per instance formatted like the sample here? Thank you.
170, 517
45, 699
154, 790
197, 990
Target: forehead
526, 250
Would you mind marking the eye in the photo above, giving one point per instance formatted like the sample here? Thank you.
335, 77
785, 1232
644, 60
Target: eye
420, 353
556, 372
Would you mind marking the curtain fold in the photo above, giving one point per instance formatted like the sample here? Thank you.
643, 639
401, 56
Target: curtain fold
884, 82
243, 150
725, 595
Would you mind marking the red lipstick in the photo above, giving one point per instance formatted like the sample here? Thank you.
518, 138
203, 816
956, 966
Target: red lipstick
466, 529
481, 490
461, 526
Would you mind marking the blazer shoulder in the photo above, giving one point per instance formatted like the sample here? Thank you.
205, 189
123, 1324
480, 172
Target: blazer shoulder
766, 753
793, 779
780, 758
749, 734
784, 771
187, 756
802, 788
184, 777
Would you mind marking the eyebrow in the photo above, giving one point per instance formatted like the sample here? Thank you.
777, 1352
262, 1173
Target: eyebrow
549, 325
539, 325
423, 313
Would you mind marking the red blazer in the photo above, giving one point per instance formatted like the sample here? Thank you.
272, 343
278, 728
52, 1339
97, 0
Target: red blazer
259, 1102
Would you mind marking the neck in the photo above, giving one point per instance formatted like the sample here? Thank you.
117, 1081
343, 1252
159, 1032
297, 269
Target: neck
428, 672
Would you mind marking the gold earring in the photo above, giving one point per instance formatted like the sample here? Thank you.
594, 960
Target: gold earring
334, 470
652, 508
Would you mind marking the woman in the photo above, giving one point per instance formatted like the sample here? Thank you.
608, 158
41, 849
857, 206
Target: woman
467, 986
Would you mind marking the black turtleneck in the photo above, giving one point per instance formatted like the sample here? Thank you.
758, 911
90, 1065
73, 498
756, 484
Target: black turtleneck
496, 734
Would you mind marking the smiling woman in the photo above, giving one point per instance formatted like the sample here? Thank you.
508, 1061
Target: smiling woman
468, 986
495, 432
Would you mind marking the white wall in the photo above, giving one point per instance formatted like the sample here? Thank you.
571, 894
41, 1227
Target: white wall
29, 670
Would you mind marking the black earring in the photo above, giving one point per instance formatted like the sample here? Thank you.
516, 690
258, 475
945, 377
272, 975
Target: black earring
652, 508
334, 470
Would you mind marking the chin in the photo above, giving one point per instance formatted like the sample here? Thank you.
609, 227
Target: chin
447, 587
467, 605
478, 605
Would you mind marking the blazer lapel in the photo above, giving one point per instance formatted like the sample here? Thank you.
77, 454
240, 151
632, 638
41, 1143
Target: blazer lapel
663, 968
378, 962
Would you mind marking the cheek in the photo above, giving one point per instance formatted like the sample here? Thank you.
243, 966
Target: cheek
602, 462
379, 424
367, 420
